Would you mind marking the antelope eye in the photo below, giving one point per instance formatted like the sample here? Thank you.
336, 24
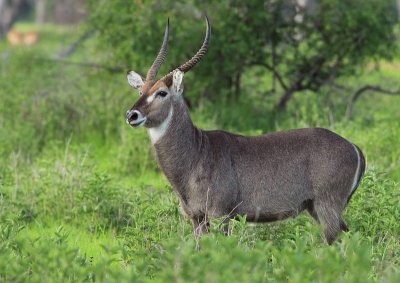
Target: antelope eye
162, 93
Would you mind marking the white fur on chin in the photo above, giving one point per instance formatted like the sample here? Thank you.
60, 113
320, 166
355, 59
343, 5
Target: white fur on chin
157, 133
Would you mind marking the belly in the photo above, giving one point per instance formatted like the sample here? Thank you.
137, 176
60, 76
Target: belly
269, 214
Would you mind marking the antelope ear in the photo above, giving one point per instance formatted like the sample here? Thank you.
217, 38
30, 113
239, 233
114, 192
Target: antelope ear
134, 80
177, 78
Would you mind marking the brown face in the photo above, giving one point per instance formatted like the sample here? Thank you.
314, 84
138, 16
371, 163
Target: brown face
153, 106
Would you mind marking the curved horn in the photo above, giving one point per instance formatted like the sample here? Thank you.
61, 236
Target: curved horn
152, 73
198, 56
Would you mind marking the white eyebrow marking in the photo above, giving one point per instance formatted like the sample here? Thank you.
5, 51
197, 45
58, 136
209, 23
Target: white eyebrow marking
151, 97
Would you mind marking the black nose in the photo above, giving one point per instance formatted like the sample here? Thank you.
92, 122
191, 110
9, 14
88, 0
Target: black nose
132, 115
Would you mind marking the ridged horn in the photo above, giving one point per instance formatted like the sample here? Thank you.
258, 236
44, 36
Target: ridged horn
197, 57
152, 73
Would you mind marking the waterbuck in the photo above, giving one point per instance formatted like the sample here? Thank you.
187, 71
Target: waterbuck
220, 174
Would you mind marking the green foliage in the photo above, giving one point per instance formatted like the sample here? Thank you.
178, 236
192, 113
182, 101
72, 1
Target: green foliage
304, 47
81, 198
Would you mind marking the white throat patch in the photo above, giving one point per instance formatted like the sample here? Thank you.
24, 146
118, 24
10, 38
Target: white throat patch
157, 133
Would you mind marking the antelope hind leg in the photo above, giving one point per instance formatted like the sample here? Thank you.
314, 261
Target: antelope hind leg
200, 226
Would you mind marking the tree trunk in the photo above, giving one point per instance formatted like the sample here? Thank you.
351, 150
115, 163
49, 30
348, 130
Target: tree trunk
9, 10
237, 84
273, 51
40, 11
68, 11
285, 98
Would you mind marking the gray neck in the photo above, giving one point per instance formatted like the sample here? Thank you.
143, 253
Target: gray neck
180, 148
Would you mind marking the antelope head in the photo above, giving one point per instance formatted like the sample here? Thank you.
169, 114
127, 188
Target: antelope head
156, 97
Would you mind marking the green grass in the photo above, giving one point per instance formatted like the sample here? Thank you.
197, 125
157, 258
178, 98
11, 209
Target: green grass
82, 199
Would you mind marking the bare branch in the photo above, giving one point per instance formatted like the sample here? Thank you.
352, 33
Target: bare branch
273, 70
363, 89
74, 46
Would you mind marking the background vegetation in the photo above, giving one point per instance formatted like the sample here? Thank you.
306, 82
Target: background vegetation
298, 47
81, 198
